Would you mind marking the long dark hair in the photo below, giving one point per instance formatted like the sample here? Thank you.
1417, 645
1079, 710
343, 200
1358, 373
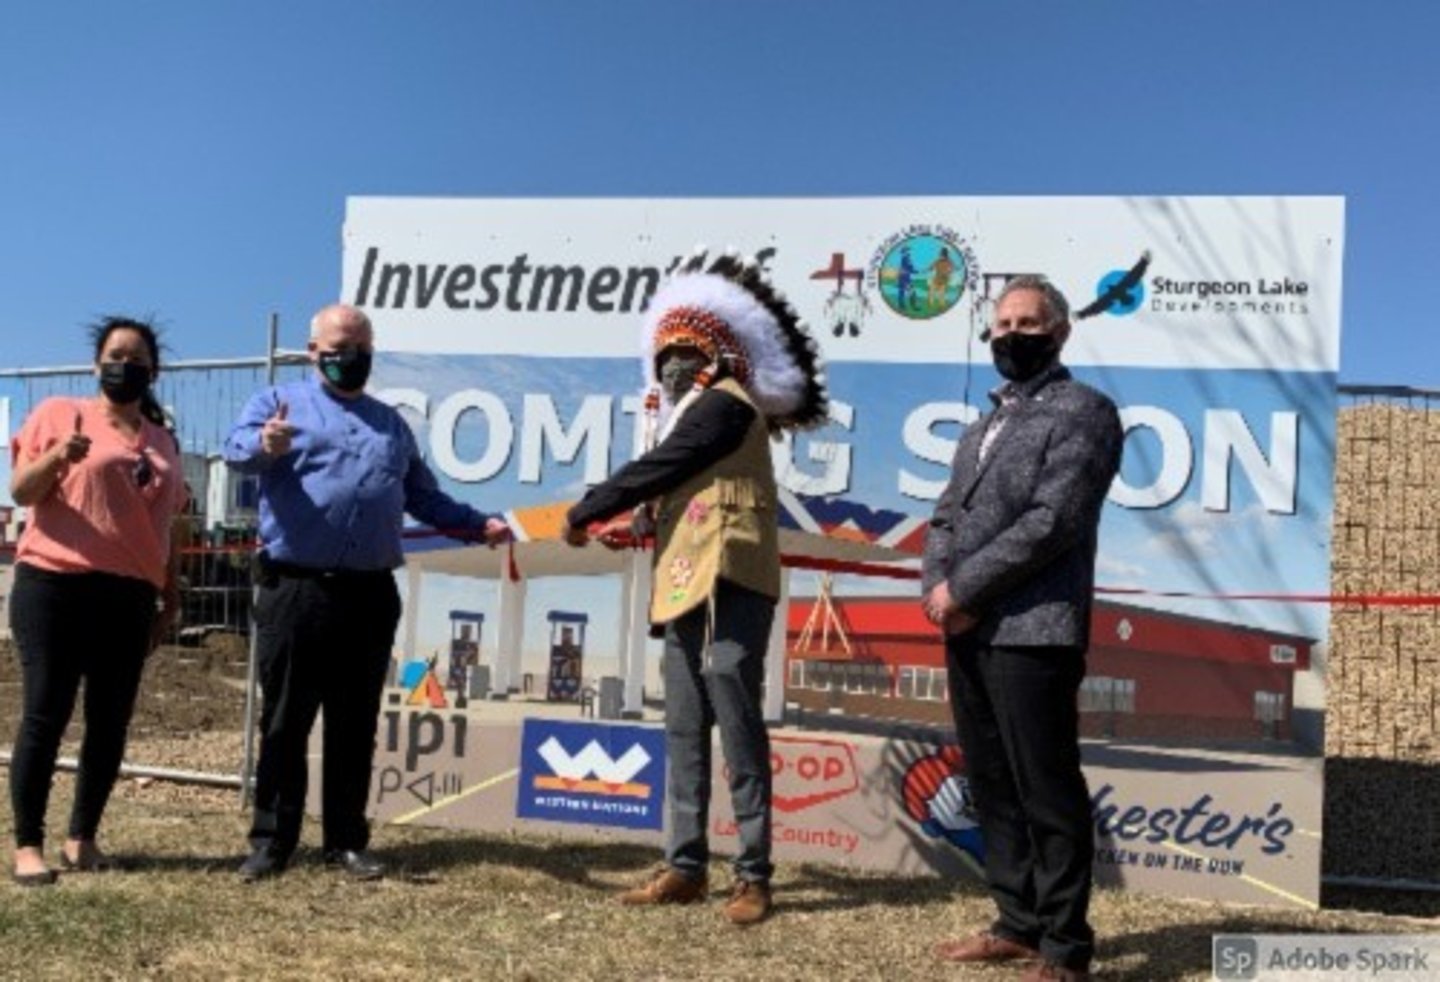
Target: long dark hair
100, 332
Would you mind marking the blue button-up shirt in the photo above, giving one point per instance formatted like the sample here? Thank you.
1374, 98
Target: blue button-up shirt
337, 500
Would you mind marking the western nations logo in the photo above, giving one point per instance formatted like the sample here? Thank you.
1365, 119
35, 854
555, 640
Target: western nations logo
593, 774
592, 770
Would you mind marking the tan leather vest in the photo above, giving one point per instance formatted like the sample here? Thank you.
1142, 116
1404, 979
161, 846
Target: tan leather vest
720, 523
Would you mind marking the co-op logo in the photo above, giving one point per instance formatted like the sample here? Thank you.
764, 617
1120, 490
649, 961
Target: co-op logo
592, 770
806, 773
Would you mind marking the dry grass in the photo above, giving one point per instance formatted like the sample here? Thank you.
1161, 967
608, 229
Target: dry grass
465, 906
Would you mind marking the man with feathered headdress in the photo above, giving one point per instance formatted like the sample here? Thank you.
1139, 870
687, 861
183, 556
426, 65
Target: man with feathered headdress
729, 363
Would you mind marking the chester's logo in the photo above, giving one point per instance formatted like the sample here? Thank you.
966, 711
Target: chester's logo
937, 796
922, 271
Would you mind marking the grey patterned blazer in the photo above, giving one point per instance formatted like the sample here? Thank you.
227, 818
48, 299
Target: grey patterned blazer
1015, 536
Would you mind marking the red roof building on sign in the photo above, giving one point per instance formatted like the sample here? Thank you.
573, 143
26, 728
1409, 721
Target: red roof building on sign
1151, 673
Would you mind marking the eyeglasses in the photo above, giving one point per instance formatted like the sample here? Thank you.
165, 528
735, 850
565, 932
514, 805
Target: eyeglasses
142, 471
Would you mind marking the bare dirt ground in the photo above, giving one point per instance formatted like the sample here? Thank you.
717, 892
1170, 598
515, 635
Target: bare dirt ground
184, 690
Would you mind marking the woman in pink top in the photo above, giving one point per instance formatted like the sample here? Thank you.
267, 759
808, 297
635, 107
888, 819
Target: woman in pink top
94, 582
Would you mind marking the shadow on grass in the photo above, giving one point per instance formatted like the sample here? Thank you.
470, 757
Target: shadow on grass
1402, 903
603, 866
143, 863
846, 891
420, 862
567, 862
1182, 951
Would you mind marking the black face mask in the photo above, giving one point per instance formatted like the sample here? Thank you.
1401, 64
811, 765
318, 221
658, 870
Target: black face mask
1020, 357
347, 369
677, 374
123, 382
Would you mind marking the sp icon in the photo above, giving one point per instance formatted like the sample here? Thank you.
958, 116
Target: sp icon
1236, 957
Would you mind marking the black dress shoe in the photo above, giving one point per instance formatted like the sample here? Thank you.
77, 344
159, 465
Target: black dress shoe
357, 863
263, 863
40, 878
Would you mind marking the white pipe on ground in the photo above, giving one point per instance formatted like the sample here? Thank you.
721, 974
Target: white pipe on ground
158, 773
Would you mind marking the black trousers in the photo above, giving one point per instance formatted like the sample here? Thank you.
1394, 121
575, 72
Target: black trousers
68, 627
322, 643
1018, 721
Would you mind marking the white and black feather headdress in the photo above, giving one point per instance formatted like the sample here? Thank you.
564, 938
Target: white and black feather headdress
731, 311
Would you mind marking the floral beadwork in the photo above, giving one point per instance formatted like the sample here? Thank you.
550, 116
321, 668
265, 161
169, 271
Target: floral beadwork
682, 570
696, 511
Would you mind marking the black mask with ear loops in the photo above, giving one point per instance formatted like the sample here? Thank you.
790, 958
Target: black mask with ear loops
677, 373
347, 369
1020, 357
123, 382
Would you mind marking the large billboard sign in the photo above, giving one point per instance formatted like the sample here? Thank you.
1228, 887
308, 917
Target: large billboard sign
510, 330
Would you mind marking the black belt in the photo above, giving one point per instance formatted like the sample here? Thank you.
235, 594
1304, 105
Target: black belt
272, 569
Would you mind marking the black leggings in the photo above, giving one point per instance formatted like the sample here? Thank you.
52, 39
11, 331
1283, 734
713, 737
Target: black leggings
69, 626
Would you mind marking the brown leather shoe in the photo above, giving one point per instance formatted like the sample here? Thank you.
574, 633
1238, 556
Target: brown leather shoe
1049, 971
749, 903
985, 947
668, 886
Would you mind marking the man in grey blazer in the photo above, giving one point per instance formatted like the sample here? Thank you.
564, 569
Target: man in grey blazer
1009, 572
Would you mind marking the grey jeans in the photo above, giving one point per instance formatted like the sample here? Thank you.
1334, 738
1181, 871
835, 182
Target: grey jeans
719, 685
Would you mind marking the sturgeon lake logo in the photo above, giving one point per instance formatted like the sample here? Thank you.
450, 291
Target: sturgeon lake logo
922, 271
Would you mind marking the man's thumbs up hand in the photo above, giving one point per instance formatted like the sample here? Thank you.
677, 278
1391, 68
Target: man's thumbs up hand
276, 435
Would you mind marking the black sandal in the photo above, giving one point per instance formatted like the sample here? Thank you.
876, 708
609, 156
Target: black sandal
102, 865
43, 878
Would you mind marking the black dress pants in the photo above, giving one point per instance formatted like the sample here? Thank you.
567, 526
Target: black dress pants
1018, 722
69, 627
323, 643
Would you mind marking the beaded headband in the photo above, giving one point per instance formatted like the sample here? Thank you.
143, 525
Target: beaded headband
702, 329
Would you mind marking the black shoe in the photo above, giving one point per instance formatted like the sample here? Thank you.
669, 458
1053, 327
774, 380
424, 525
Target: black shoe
263, 863
100, 864
40, 878
357, 863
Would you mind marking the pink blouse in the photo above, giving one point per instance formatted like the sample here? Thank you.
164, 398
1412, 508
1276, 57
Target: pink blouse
111, 513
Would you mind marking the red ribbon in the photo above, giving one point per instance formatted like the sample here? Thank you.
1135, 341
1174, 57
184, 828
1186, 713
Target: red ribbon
884, 571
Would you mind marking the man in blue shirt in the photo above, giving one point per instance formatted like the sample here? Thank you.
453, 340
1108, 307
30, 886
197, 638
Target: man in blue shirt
338, 471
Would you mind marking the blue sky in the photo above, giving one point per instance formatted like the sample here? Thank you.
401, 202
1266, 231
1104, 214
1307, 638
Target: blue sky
193, 160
